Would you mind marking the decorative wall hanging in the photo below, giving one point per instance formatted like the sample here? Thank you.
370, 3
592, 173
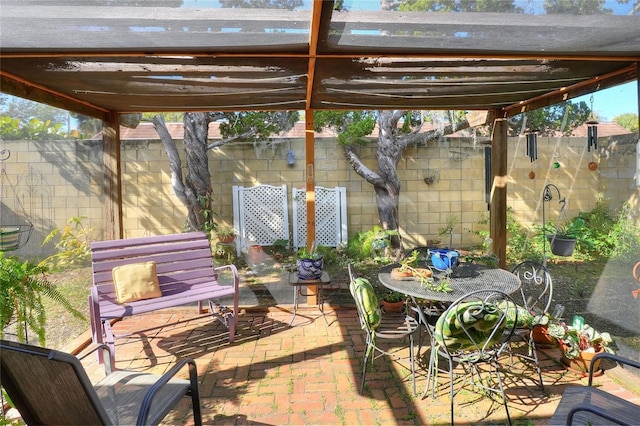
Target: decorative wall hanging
13, 235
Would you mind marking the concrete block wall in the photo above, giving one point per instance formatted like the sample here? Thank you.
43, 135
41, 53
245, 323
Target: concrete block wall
74, 174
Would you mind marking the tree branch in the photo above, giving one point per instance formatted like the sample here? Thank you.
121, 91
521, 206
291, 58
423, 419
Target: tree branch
359, 167
175, 164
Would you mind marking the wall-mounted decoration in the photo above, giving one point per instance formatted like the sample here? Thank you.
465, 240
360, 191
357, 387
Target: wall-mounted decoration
431, 176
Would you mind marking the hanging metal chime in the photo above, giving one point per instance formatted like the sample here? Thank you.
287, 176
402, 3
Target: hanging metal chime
592, 135
532, 146
592, 130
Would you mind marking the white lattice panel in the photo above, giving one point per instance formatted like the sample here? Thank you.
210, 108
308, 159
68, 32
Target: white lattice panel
331, 216
260, 215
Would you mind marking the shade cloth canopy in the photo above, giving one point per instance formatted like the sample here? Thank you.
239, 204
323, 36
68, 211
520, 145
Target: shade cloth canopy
101, 56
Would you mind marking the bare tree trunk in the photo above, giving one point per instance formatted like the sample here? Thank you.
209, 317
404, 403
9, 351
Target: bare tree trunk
388, 155
194, 190
198, 179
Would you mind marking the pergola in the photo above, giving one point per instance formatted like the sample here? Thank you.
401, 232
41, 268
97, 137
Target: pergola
104, 58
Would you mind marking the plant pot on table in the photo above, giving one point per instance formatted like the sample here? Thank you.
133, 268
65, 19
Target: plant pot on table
310, 269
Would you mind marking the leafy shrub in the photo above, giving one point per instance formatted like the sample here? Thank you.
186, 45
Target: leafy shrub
361, 245
520, 245
73, 247
625, 233
23, 284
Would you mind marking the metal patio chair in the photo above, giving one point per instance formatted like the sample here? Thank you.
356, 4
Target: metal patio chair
380, 326
52, 387
535, 294
473, 333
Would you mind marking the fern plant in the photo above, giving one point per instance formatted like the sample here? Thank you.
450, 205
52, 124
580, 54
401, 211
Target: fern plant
22, 286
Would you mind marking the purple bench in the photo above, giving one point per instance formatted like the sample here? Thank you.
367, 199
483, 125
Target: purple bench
185, 272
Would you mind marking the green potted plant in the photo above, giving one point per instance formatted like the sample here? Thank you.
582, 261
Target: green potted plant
563, 237
447, 229
393, 301
226, 234
309, 263
579, 343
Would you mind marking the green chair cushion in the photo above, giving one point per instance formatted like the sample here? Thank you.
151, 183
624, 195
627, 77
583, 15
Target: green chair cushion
468, 324
362, 291
525, 318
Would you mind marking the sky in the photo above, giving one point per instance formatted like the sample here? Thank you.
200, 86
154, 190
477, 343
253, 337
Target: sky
612, 102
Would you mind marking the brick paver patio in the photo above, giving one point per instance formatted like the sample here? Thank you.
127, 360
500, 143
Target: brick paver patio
274, 374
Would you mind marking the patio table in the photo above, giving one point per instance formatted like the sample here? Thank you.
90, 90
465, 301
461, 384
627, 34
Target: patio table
464, 279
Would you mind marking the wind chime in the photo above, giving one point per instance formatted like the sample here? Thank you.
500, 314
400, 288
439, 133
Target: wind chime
592, 136
532, 149
592, 130
12, 236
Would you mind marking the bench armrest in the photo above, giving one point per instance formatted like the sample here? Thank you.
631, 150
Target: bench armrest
234, 270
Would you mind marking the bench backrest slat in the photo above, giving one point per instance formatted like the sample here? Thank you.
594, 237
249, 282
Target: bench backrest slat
181, 257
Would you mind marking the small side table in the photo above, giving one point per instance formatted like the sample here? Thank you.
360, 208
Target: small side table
298, 284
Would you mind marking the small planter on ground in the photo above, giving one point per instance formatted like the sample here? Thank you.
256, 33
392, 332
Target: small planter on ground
393, 302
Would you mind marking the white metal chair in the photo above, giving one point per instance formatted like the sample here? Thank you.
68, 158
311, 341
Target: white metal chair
535, 294
380, 326
473, 332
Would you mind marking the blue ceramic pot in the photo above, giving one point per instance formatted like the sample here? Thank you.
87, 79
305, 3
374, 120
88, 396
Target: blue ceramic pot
310, 269
443, 259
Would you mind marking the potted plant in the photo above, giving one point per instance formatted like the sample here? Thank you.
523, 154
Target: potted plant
579, 343
309, 263
9, 238
563, 237
447, 229
226, 234
393, 302
408, 267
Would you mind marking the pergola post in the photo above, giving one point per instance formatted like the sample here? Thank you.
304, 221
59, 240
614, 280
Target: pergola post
498, 196
310, 180
112, 177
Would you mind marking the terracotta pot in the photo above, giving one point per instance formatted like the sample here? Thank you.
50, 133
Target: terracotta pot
227, 239
581, 363
540, 334
393, 307
397, 274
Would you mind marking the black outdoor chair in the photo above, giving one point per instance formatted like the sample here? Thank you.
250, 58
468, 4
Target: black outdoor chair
589, 405
52, 387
